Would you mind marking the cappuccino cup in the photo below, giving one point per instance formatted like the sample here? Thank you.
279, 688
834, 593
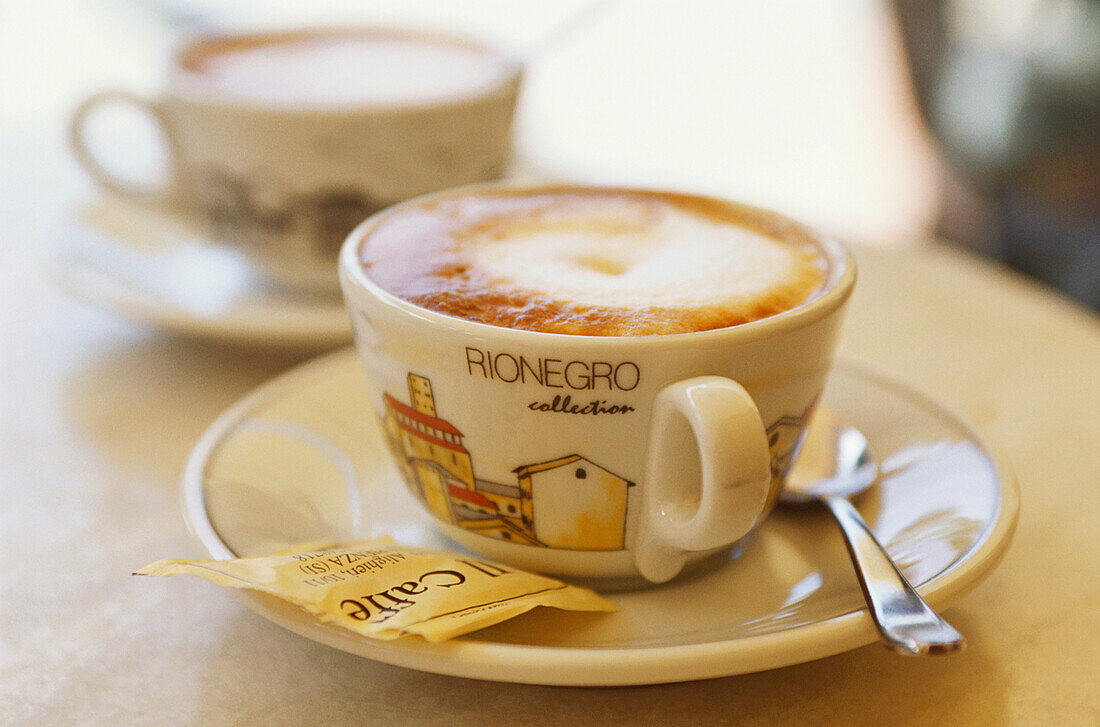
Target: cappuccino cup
599, 383
281, 142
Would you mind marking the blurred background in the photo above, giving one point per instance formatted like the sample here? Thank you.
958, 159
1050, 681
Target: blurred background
884, 122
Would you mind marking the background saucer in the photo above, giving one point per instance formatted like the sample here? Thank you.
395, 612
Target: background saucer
157, 269
301, 459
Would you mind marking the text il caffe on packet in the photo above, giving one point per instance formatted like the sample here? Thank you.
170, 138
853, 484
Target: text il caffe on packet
383, 590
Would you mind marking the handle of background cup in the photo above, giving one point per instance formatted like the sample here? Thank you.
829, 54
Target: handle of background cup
78, 142
710, 426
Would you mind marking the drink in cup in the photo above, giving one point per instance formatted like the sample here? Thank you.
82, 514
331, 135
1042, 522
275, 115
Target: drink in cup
597, 383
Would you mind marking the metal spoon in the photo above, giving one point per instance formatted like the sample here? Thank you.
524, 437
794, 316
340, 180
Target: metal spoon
905, 621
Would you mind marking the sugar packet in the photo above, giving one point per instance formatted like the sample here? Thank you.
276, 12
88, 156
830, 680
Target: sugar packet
383, 590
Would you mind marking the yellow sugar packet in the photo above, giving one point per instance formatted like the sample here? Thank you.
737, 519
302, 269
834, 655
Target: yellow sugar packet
383, 590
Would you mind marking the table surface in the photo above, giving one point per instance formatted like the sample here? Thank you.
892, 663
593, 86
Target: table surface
99, 415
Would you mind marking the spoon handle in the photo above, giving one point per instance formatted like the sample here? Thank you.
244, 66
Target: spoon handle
908, 624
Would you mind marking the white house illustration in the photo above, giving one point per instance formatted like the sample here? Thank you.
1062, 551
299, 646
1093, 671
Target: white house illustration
579, 504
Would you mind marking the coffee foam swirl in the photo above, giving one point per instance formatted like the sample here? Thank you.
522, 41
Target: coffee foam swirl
591, 263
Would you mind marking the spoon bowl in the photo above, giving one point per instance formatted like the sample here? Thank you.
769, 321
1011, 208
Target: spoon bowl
835, 464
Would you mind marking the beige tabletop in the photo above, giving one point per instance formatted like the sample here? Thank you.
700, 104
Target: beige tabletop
99, 415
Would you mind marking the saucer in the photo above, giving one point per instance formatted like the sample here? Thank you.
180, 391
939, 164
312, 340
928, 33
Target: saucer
156, 268
301, 459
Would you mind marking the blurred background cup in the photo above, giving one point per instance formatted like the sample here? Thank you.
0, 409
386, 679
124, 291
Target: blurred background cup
281, 142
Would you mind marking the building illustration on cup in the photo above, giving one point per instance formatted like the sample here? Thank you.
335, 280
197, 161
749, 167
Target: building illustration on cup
583, 505
566, 502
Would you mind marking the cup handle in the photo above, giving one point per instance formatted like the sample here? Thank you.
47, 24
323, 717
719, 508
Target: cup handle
708, 474
141, 193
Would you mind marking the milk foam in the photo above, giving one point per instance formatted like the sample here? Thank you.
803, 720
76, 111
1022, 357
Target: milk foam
342, 69
596, 263
678, 261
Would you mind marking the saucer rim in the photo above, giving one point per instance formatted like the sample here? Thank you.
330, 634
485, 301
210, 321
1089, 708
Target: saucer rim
276, 321
603, 666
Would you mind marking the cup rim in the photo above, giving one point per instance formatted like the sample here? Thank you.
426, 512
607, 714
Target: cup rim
195, 92
835, 291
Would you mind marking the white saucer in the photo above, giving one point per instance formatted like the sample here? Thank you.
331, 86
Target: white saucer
155, 268
301, 459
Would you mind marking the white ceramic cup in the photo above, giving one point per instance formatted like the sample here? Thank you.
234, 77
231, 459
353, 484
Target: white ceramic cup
595, 457
287, 182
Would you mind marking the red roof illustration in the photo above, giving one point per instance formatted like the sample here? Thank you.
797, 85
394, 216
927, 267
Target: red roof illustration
421, 417
432, 440
476, 498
